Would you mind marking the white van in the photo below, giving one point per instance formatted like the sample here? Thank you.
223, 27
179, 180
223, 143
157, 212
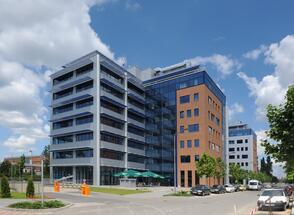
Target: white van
254, 185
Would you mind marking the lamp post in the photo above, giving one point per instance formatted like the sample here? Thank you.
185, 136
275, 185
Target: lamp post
31, 163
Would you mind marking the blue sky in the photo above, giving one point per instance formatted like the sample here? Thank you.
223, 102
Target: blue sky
218, 34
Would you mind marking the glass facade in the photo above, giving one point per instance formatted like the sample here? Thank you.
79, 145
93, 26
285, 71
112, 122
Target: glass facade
161, 115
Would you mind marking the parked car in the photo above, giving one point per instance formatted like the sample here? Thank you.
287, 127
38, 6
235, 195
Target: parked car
230, 188
288, 192
273, 199
254, 185
218, 189
200, 190
242, 187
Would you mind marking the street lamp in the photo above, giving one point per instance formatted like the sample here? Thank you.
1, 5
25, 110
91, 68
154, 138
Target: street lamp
31, 163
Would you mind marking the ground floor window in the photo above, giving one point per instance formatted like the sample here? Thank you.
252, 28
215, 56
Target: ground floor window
106, 175
182, 178
59, 172
189, 178
197, 178
84, 173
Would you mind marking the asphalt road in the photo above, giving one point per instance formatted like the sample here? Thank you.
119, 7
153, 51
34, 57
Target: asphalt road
152, 203
222, 204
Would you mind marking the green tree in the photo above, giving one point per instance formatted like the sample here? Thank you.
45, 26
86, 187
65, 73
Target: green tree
5, 189
30, 192
269, 166
206, 166
281, 123
46, 157
220, 169
5, 168
262, 165
21, 164
237, 174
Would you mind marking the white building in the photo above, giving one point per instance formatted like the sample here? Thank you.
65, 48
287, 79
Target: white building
242, 148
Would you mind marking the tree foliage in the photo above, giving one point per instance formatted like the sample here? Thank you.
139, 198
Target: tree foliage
206, 166
5, 189
281, 123
5, 168
30, 192
237, 174
220, 169
46, 156
21, 164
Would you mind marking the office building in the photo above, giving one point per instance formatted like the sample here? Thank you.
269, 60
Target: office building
106, 119
242, 148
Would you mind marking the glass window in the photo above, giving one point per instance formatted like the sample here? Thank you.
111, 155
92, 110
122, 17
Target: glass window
231, 149
63, 155
196, 143
246, 148
238, 149
239, 141
86, 153
62, 124
196, 112
84, 120
209, 130
84, 86
185, 159
231, 142
193, 128
189, 113
184, 99
182, 129
246, 164
182, 114
231, 156
196, 96
189, 143
63, 139
244, 156
112, 139
84, 136
84, 103
238, 156
246, 140
197, 158
182, 144
209, 100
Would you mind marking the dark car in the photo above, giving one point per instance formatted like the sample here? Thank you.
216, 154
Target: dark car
218, 189
200, 190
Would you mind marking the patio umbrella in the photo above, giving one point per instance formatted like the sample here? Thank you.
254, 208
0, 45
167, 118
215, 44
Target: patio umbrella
128, 173
150, 174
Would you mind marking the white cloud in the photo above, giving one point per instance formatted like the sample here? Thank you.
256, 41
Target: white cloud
271, 89
48, 32
132, 6
35, 34
254, 54
224, 64
234, 109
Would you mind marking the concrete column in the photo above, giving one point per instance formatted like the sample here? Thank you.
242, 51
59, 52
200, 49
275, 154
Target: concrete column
96, 150
74, 175
126, 119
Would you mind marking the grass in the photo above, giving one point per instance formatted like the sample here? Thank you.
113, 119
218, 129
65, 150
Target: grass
180, 193
21, 195
117, 191
38, 205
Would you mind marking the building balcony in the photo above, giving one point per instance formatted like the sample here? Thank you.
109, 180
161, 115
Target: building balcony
136, 137
72, 162
112, 163
73, 145
134, 165
137, 123
112, 113
135, 108
73, 129
112, 146
136, 151
71, 98
139, 97
75, 111
111, 81
113, 130
112, 97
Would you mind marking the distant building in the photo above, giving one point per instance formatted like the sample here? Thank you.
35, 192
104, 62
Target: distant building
242, 147
30, 162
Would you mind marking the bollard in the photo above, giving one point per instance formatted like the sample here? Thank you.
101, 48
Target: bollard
83, 189
56, 187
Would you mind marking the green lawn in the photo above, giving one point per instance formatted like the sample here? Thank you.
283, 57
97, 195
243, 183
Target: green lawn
117, 191
18, 195
180, 193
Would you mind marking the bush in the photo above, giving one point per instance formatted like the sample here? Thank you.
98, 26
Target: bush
5, 189
30, 189
38, 205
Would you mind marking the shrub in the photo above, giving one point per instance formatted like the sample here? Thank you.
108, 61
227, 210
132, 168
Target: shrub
5, 189
38, 205
30, 193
